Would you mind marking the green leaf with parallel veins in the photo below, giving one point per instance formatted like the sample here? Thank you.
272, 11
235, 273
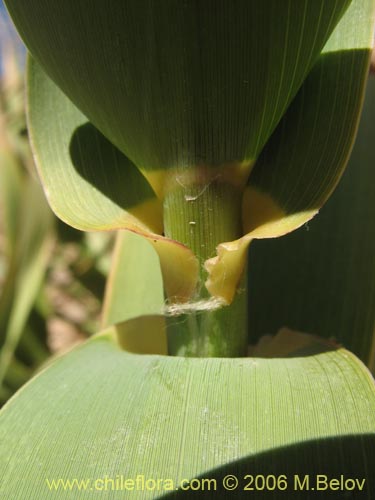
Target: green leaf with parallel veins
176, 85
306, 155
100, 412
321, 278
299, 165
135, 284
89, 183
304, 159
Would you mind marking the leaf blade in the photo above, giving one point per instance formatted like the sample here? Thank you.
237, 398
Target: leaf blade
340, 242
280, 418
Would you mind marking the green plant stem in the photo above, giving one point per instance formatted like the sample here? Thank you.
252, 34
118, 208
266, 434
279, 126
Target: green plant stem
201, 216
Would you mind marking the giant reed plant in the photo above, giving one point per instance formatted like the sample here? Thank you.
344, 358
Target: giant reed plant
198, 127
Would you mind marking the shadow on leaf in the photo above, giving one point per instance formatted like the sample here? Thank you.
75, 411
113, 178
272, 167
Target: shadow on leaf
337, 468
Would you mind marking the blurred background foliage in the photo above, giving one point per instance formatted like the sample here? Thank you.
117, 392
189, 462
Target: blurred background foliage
51, 276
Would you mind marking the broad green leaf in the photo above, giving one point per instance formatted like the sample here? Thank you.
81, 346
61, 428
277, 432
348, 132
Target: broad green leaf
322, 277
100, 412
298, 167
215, 123
179, 85
135, 284
303, 160
91, 185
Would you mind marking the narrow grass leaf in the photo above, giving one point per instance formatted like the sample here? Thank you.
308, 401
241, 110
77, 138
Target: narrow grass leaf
35, 232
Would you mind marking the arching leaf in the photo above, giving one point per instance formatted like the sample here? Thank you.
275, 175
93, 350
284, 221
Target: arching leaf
100, 412
303, 160
321, 278
179, 84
